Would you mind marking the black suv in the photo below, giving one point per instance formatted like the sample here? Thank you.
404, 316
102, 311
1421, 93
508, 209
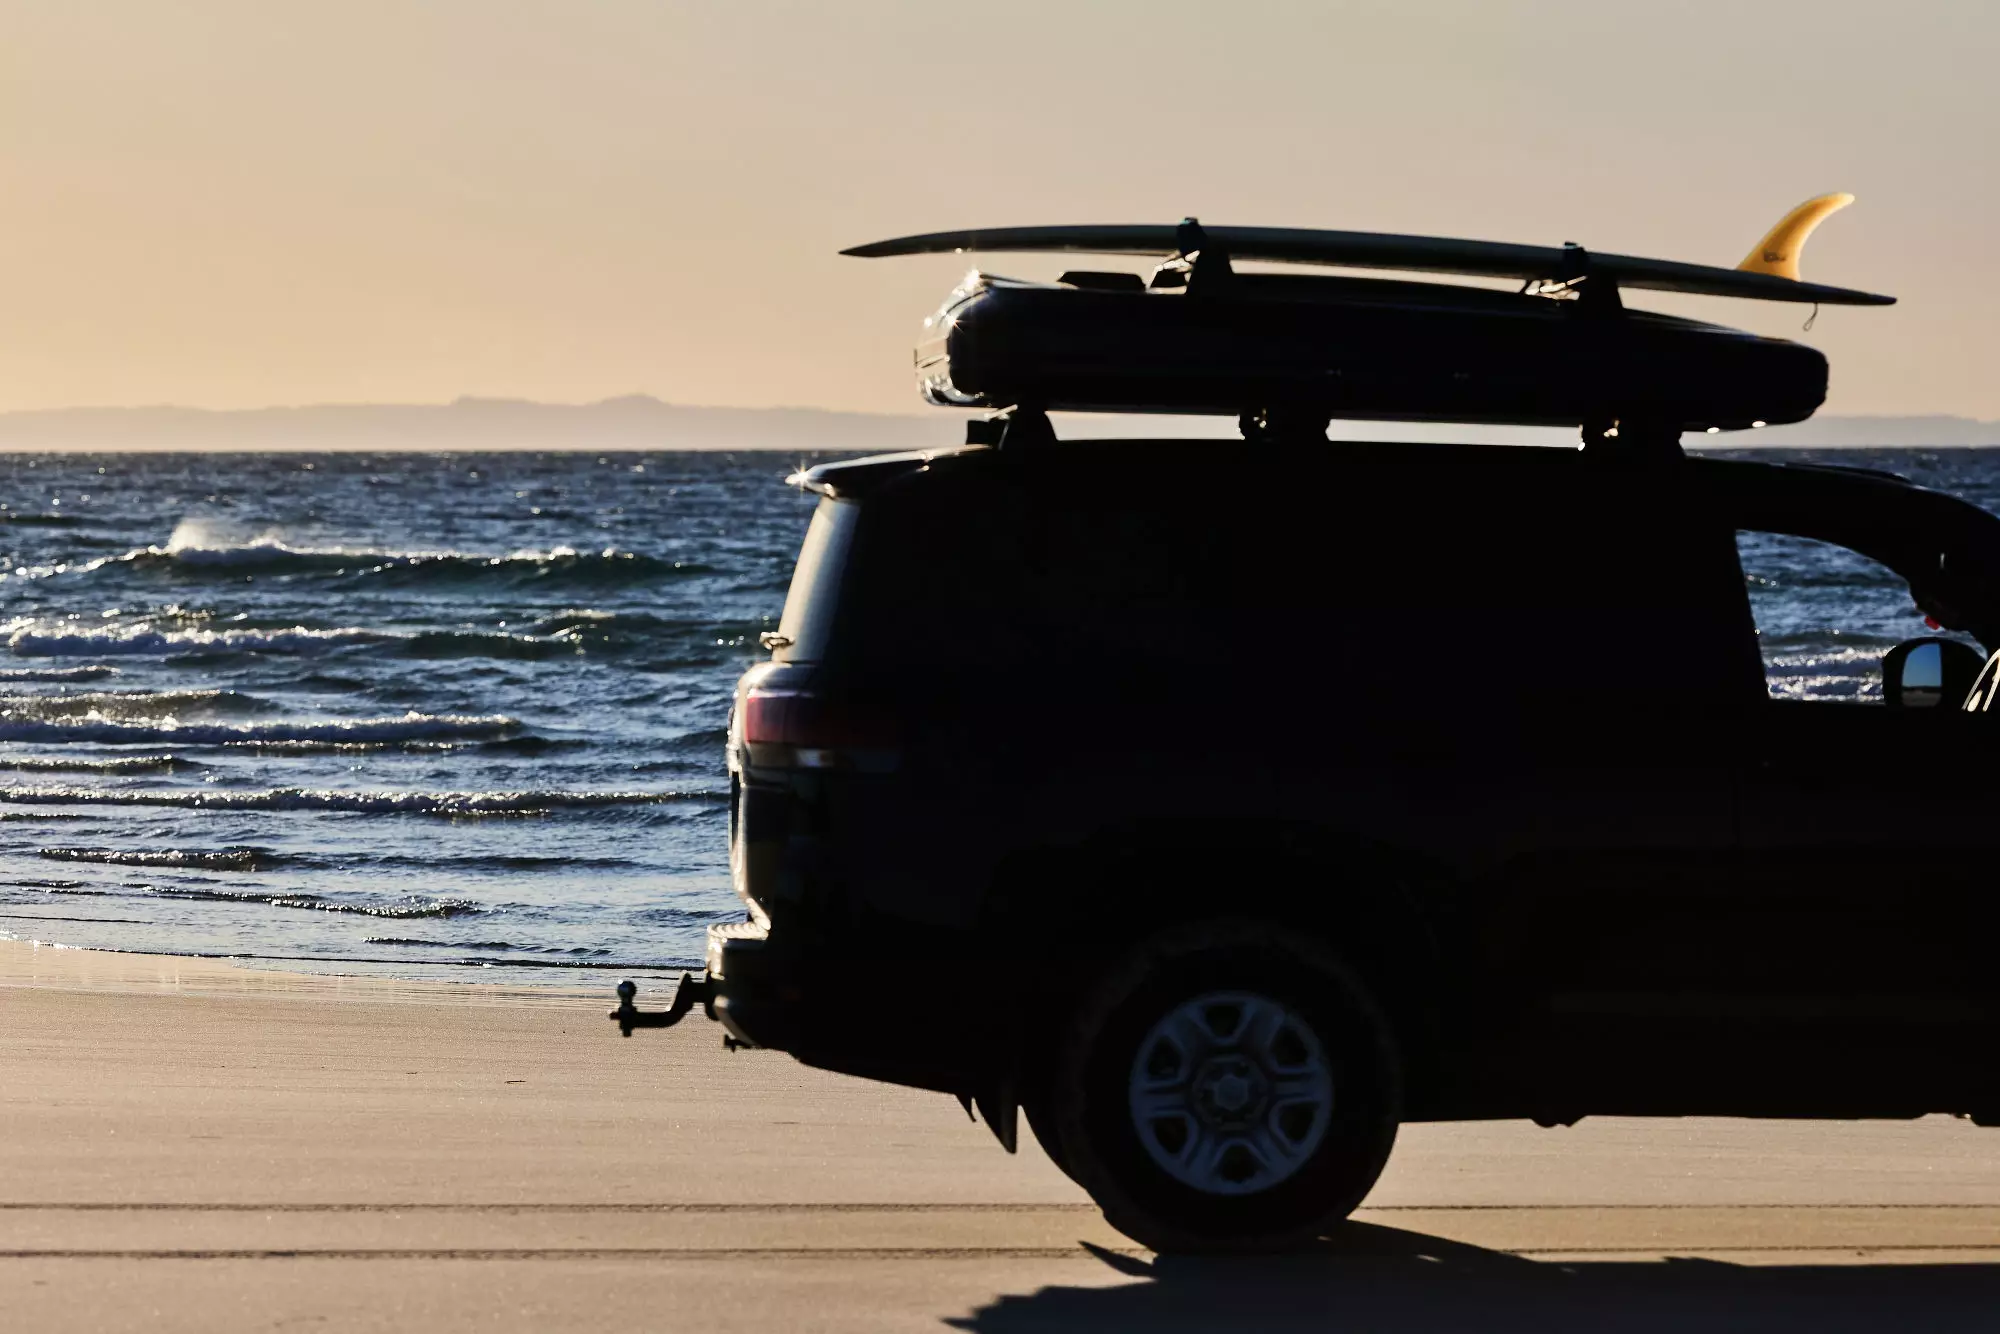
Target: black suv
1223, 807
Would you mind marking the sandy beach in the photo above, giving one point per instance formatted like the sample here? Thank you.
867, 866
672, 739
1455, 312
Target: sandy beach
189, 1145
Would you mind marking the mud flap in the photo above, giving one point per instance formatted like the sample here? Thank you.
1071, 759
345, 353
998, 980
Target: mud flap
1000, 1108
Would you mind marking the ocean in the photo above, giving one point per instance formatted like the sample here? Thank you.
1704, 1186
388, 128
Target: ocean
460, 716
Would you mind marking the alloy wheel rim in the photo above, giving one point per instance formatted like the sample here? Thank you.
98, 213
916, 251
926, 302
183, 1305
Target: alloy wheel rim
1231, 1093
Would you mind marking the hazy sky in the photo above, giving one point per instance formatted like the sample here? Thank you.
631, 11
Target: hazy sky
233, 203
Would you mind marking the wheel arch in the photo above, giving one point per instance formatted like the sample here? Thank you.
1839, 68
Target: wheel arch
1065, 909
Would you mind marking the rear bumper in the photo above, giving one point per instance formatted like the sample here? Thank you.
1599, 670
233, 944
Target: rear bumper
757, 996
925, 1014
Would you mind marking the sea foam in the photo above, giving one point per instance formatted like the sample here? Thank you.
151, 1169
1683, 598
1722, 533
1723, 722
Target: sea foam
33, 639
129, 705
311, 799
197, 547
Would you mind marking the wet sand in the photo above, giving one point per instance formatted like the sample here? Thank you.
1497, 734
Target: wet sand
188, 1145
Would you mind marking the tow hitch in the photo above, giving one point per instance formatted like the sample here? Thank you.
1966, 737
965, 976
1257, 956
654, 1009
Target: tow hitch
629, 1016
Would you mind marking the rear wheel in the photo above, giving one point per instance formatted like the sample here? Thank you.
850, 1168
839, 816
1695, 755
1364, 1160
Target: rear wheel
1227, 1086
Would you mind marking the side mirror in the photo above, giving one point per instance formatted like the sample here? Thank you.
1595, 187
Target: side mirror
1929, 673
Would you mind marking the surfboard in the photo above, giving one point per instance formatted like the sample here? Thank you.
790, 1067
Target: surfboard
1761, 279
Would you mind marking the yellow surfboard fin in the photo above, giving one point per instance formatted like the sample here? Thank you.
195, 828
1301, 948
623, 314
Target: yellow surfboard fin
1778, 253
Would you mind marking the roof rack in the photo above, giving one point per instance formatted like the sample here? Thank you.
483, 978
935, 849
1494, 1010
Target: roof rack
1288, 353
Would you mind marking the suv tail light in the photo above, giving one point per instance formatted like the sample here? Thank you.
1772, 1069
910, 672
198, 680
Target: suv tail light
805, 730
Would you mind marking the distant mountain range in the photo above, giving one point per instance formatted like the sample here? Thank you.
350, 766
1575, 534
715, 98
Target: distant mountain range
632, 422
641, 422
1858, 432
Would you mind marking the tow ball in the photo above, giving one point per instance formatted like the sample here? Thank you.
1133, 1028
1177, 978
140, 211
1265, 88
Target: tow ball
629, 1016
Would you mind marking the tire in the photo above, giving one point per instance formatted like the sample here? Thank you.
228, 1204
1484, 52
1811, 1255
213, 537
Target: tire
1227, 1086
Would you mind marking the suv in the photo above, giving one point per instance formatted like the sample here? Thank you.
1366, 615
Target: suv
1223, 809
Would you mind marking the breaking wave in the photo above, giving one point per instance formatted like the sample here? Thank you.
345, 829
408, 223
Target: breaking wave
575, 953
236, 859
407, 907
106, 705
564, 634
441, 944
95, 672
1866, 656
387, 803
402, 911
412, 726
195, 549
130, 764
30, 639
225, 859
569, 632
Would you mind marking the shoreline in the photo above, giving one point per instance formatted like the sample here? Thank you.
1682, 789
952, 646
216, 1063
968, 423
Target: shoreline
53, 966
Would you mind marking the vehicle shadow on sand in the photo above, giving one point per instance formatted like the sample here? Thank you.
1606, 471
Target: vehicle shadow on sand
1371, 1278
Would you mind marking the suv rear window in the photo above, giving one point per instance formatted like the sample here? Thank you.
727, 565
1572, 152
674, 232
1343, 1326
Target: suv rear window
808, 617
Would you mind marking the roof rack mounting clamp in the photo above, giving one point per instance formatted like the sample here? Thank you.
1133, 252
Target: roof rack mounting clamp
1596, 293
1198, 264
986, 430
1015, 427
1026, 427
1632, 437
1273, 425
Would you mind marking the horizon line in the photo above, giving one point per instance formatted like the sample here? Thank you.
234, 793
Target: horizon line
935, 414
462, 400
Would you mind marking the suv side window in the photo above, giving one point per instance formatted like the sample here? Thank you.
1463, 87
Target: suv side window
1581, 595
1825, 616
1427, 596
1424, 595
